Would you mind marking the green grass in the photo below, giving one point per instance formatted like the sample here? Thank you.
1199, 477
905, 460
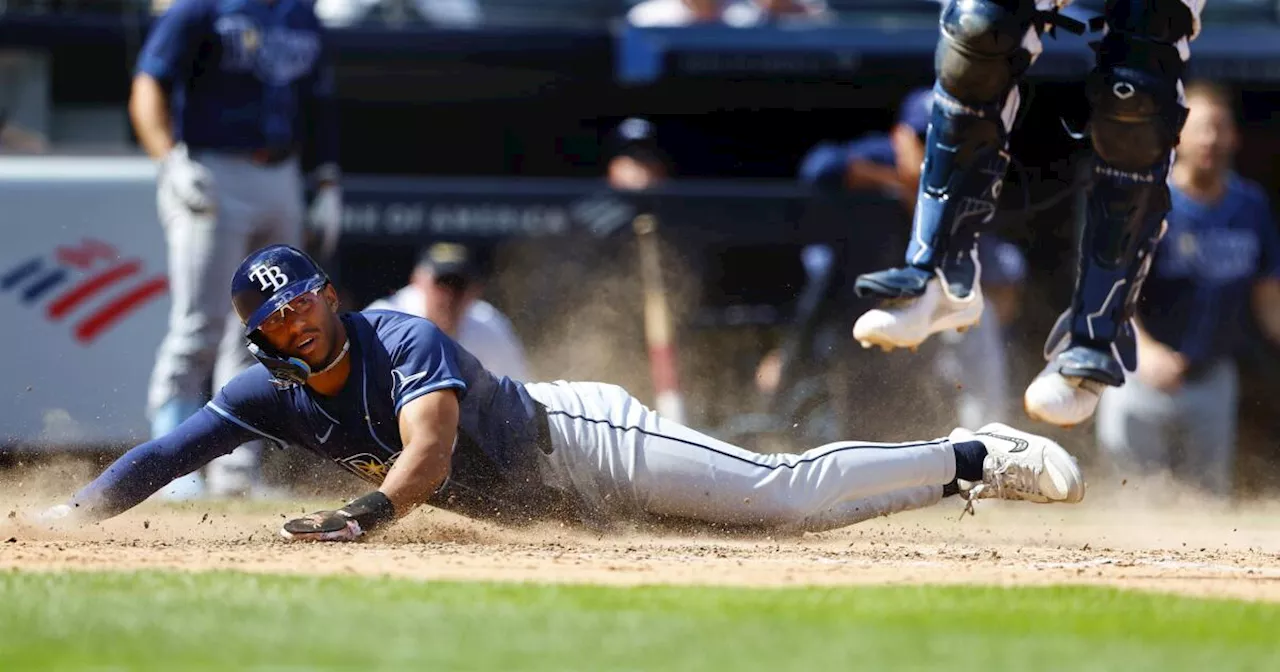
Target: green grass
229, 621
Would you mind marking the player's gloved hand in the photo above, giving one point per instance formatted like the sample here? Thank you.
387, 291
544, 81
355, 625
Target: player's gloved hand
361, 515
188, 181
326, 216
322, 526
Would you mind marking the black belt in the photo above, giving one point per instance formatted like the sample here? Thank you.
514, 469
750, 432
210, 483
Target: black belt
272, 156
263, 156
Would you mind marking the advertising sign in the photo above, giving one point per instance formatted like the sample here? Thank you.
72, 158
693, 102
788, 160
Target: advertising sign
83, 300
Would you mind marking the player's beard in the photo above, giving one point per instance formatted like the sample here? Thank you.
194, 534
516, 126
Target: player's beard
338, 345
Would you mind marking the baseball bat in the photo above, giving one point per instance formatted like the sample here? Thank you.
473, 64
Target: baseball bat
658, 332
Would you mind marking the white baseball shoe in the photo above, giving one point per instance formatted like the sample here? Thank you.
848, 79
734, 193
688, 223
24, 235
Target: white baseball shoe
1062, 400
907, 321
1023, 467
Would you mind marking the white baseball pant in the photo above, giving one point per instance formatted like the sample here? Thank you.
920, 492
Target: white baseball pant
625, 461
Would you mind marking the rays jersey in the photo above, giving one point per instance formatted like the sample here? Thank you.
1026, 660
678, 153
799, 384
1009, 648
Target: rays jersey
395, 358
244, 74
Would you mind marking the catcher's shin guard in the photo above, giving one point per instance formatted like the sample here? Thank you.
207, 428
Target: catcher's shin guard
1137, 114
986, 47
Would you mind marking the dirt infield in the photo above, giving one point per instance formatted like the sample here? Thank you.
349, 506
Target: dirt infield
1183, 546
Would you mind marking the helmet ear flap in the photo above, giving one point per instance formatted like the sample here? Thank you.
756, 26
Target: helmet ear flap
286, 372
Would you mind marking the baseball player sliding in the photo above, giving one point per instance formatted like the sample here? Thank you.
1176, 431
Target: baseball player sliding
222, 94
393, 399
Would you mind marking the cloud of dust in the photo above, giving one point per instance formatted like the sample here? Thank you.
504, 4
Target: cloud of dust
579, 307
37, 480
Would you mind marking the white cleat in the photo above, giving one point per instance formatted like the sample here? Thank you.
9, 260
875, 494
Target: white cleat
1065, 401
1024, 467
906, 323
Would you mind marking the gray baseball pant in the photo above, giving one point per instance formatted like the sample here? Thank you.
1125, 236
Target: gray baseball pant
627, 462
1190, 433
256, 205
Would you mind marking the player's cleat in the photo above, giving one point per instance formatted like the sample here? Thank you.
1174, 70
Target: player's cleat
1023, 467
913, 312
1066, 392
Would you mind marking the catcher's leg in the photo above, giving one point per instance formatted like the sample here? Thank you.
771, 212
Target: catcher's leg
985, 48
1135, 92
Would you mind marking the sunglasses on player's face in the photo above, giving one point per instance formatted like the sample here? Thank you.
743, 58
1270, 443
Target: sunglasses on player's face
302, 306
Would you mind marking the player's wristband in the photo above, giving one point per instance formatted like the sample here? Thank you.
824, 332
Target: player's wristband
370, 511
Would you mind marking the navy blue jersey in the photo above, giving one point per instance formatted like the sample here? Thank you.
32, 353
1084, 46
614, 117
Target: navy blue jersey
395, 358
243, 74
1204, 270
826, 164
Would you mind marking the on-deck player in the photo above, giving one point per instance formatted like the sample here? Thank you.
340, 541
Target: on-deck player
393, 399
221, 99
1135, 94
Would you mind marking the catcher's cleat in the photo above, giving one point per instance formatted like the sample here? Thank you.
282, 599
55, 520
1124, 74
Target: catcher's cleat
908, 316
1067, 391
1023, 467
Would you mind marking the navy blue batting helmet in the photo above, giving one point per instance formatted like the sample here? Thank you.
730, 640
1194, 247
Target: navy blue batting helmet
270, 278
266, 281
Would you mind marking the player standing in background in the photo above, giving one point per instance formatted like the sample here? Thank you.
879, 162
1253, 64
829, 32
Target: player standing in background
1135, 94
975, 362
446, 287
1222, 251
223, 96
396, 401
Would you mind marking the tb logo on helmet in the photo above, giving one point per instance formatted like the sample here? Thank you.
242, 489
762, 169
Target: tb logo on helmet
270, 277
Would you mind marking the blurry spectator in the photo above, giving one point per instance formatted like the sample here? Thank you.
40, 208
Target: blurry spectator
671, 13
15, 76
450, 13
747, 13
445, 288
976, 361
439, 13
1221, 251
344, 13
14, 138
636, 162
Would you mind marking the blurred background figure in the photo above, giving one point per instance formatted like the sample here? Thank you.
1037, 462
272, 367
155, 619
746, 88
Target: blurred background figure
975, 363
18, 79
673, 13
438, 13
1220, 253
748, 13
225, 129
447, 287
636, 162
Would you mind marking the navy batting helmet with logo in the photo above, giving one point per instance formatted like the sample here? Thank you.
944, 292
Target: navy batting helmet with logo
266, 282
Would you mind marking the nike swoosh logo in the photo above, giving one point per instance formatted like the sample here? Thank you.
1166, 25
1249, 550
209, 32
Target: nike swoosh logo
324, 437
1019, 445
